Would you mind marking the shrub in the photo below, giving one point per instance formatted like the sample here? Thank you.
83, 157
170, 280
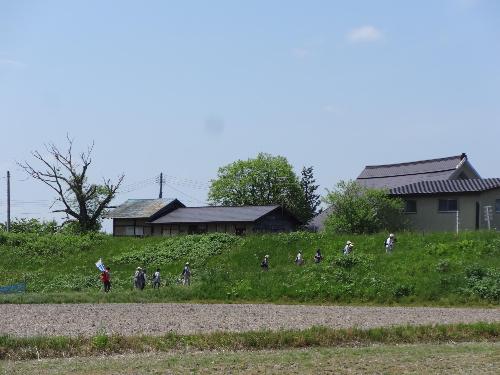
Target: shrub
443, 265
195, 248
30, 244
484, 283
403, 290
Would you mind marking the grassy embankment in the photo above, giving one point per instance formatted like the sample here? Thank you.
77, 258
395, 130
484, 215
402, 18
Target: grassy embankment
432, 269
19, 348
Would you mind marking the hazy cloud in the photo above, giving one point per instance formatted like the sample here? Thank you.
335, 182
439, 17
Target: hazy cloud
214, 125
364, 34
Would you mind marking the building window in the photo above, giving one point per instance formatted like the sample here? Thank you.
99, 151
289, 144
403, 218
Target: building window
497, 205
446, 205
410, 206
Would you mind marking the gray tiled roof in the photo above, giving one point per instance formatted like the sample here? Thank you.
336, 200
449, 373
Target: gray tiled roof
138, 208
393, 175
448, 186
212, 214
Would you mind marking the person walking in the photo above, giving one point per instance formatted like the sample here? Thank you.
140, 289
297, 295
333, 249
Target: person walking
156, 279
389, 243
265, 263
299, 260
139, 279
186, 275
106, 279
348, 247
318, 257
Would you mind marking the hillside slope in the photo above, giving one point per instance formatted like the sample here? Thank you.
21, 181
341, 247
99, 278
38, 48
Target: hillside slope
438, 269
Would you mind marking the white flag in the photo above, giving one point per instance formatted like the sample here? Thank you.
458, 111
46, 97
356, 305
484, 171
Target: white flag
100, 265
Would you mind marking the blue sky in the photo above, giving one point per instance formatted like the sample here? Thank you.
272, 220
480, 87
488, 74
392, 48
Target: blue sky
185, 87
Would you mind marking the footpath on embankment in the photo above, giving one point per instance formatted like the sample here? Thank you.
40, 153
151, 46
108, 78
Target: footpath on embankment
186, 318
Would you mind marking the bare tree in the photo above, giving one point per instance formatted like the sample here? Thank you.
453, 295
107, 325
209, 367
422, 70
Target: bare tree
81, 201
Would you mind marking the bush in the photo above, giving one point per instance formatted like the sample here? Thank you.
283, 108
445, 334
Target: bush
32, 244
193, 248
484, 283
31, 226
443, 265
403, 290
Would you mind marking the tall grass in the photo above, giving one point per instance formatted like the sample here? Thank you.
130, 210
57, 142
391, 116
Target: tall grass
18, 348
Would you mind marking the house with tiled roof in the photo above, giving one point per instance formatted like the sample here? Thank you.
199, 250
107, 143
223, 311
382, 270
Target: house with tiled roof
444, 194
160, 217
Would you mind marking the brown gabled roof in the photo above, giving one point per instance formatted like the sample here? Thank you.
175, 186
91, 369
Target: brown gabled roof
393, 175
448, 186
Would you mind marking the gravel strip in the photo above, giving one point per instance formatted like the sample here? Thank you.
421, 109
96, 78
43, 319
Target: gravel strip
161, 318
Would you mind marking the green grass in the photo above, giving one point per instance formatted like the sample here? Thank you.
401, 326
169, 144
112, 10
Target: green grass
465, 358
17, 348
432, 269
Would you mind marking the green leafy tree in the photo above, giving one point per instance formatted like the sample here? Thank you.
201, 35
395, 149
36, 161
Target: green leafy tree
264, 180
357, 209
312, 200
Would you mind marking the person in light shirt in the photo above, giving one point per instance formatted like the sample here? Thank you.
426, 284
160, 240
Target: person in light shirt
389, 243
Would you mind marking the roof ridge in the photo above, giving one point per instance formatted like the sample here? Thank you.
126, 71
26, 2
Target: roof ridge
415, 162
406, 174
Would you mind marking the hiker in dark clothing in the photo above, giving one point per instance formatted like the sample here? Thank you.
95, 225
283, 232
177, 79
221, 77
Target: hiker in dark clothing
318, 257
186, 275
265, 263
139, 279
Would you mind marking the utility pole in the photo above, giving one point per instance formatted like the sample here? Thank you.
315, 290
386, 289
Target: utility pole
161, 185
8, 201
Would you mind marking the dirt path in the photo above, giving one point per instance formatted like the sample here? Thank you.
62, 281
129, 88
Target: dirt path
155, 319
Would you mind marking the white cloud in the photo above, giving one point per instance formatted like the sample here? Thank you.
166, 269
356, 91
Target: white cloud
364, 34
300, 53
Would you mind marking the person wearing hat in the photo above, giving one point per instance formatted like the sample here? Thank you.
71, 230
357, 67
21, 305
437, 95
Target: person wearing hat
299, 260
139, 279
348, 247
186, 275
318, 257
389, 243
265, 263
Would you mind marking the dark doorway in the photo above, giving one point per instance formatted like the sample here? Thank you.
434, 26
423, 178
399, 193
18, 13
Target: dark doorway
477, 215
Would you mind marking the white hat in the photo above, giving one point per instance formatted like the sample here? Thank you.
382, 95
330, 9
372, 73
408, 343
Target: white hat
348, 243
267, 256
187, 263
391, 235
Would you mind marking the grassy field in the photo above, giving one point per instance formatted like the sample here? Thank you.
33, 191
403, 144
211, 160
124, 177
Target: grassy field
466, 358
431, 269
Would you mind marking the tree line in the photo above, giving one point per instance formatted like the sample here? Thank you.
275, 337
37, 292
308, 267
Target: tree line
263, 180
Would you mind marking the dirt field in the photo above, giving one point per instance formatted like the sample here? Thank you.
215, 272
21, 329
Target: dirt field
155, 319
